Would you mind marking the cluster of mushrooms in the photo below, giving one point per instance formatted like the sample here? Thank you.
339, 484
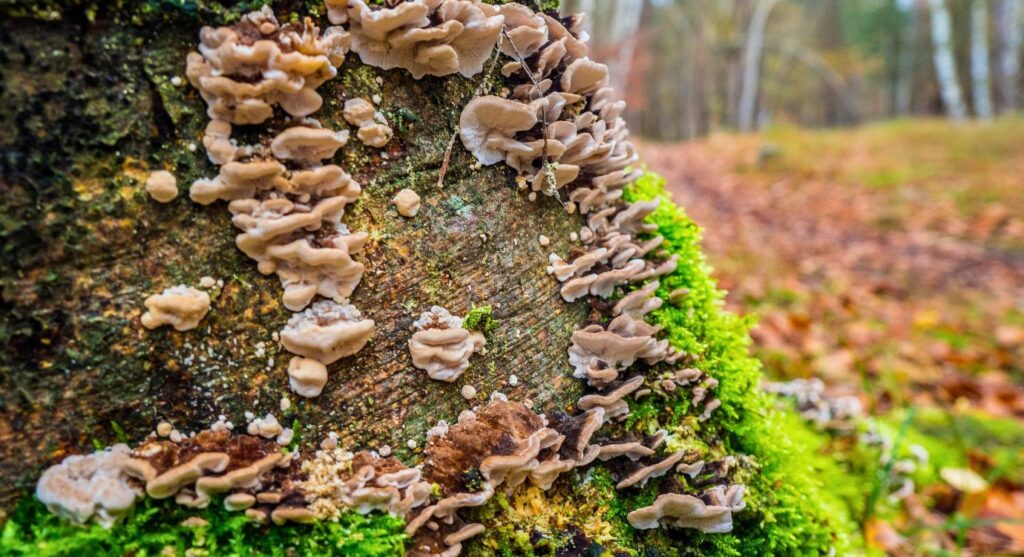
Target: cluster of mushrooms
562, 132
285, 200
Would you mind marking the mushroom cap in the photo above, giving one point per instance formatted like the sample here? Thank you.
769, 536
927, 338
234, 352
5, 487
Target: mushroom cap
182, 307
89, 487
306, 144
306, 376
162, 186
359, 112
682, 511
327, 332
407, 202
490, 116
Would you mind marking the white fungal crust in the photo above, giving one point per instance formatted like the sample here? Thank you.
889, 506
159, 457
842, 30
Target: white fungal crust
243, 71
407, 202
90, 487
181, 307
162, 186
338, 480
327, 332
425, 37
306, 376
373, 126
441, 347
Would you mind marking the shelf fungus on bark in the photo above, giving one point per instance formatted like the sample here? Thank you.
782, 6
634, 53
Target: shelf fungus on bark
181, 307
90, 487
711, 514
598, 353
425, 37
327, 332
441, 346
243, 71
373, 127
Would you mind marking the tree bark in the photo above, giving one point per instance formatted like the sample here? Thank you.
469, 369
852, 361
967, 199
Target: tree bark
945, 64
1008, 29
752, 64
981, 92
96, 99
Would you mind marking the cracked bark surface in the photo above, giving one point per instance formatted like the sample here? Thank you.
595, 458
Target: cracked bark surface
90, 108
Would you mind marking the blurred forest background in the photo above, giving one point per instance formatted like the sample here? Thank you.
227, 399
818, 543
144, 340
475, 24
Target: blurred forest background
858, 167
690, 67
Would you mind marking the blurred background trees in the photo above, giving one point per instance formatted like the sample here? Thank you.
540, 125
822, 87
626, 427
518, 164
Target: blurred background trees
694, 66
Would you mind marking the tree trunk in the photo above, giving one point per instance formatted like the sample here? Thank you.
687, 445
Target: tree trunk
752, 64
945, 64
981, 92
905, 64
1008, 30
93, 101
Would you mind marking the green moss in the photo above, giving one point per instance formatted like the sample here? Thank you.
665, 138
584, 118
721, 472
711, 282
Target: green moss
479, 319
798, 499
156, 525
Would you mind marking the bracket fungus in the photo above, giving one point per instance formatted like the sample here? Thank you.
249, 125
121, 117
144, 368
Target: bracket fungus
560, 129
441, 347
676, 510
425, 37
327, 332
181, 307
90, 487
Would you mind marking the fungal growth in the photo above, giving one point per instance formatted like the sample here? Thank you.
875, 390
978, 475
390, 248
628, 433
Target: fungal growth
162, 186
373, 127
425, 37
711, 513
307, 377
441, 347
407, 202
90, 487
181, 307
327, 332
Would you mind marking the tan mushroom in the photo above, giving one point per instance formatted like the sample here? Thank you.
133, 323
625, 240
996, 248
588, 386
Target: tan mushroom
407, 202
162, 186
89, 487
327, 332
487, 121
306, 376
441, 347
682, 511
181, 307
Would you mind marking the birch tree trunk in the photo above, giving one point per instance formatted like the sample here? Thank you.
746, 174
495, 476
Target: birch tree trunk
1008, 30
980, 88
752, 64
945, 64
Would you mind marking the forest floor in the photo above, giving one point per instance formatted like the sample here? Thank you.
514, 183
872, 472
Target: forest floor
887, 260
